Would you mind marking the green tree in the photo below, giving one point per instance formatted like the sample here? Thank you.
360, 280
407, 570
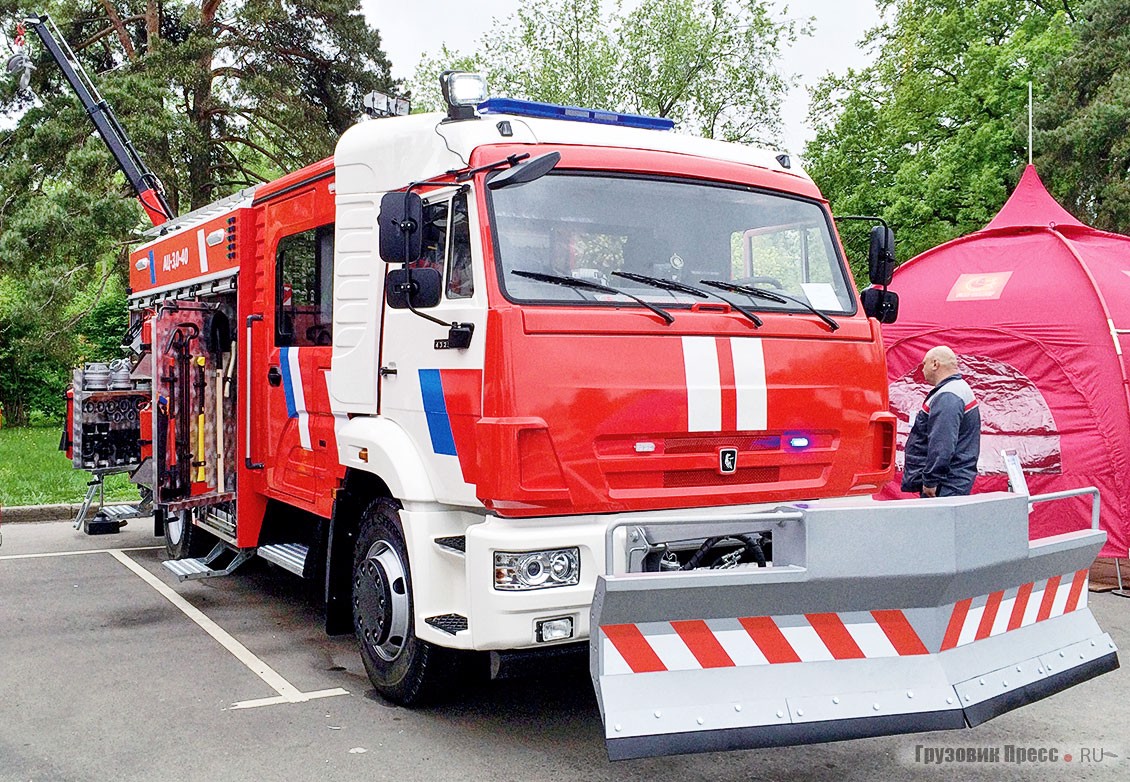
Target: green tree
1083, 118
710, 65
215, 96
932, 135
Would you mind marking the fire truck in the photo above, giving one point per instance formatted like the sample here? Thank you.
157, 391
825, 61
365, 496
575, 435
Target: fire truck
518, 380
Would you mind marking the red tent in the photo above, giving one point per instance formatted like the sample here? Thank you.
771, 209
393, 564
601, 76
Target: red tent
1037, 307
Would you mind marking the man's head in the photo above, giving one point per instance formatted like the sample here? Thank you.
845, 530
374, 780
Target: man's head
939, 363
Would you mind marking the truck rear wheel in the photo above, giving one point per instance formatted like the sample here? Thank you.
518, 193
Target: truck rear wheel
403, 668
183, 539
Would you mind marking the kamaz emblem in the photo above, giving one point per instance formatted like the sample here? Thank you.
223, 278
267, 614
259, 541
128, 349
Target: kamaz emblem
728, 461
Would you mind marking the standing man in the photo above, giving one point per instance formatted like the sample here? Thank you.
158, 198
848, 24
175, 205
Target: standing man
945, 440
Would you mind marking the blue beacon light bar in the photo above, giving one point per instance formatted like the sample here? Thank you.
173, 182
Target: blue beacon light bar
530, 108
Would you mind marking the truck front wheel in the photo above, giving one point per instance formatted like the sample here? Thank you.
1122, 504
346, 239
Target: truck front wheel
403, 668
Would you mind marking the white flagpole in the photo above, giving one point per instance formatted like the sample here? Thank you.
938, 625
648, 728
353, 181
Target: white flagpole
1029, 123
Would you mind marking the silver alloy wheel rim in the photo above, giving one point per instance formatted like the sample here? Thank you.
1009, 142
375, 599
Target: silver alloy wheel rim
381, 601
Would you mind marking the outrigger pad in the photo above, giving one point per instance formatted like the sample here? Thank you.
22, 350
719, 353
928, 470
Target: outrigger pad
889, 618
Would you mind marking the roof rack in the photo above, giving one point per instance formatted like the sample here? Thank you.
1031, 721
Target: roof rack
204, 213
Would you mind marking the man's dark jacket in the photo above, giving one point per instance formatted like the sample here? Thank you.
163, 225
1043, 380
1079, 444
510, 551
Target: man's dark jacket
945, 441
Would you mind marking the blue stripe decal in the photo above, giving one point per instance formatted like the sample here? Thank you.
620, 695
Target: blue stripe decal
288, 388
435, 409
152, 269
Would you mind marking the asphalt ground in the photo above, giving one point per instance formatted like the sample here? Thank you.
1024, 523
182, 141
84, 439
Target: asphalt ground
112, 670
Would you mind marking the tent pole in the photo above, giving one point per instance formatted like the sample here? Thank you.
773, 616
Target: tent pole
1121, 591
1029, 123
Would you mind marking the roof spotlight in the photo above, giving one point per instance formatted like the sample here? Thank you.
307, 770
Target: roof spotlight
462, 92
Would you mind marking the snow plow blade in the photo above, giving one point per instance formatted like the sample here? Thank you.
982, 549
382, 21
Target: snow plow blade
874, 619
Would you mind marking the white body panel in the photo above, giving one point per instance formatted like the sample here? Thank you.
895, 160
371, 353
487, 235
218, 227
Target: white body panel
506, 619
391, 455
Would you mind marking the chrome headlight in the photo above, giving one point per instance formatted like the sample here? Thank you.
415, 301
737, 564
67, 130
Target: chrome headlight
521, 570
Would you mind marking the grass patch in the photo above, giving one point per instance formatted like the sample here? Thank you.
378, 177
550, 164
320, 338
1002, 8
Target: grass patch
33, 471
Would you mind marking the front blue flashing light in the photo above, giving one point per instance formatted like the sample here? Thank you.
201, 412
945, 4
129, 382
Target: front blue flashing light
531, 108
799, 442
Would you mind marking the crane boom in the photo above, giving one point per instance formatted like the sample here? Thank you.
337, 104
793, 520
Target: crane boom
144, 182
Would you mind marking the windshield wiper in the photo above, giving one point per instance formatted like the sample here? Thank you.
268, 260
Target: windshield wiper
780, 298
585, 285
681, 287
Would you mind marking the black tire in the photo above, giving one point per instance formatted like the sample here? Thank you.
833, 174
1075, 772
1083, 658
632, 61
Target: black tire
403, 668
183, 539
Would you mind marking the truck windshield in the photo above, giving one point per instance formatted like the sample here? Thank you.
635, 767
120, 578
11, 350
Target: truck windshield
587, 226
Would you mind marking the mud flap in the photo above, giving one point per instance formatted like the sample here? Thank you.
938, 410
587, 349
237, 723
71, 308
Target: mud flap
876, 619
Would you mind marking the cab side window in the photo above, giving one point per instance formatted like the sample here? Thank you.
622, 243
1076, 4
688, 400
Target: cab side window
447, 245
460, 284
304, 288
436, 219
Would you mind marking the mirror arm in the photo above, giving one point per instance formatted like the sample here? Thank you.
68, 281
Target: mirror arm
407, 287
865, 218
459, 334
512, 160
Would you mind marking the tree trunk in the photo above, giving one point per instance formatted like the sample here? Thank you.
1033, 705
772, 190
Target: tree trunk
200, 184
152, 24
120, 29
13, 413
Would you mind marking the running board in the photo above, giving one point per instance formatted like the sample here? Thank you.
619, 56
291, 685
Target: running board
288, 556
191, 569
111, 518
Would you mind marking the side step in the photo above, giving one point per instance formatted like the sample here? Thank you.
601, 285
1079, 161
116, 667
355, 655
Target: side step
119, 512
191, 569
111, 518
288, 556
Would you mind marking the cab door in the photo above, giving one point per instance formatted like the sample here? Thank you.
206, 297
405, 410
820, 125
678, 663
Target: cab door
296, 424
433, 391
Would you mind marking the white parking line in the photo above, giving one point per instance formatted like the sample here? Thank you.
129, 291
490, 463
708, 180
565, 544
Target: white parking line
76, 553
287, 692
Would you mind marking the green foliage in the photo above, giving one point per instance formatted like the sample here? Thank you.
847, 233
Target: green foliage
1083, 119
215, 96
710, 65
932, 135
33, 471
103, 317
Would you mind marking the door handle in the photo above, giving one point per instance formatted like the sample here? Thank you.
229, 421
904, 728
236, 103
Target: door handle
274, 377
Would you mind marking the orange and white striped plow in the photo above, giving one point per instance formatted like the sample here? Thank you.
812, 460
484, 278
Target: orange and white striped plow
875, 619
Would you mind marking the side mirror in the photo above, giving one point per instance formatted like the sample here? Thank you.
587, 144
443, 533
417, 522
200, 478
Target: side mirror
882, 305
400, 222
419, 288
881, 256
524, 172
